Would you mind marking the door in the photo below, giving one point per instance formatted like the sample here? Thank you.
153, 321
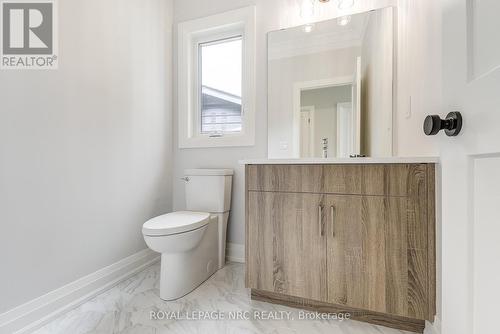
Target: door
287, 244
344, 130
307, 132
356, 114
376, 254
471, 168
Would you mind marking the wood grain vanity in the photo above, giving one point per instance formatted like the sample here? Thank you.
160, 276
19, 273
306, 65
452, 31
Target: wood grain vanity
353, 237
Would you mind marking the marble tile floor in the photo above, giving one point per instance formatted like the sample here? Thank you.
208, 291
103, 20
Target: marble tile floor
127, 308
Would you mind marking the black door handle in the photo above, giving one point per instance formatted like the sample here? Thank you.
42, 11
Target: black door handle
452, 125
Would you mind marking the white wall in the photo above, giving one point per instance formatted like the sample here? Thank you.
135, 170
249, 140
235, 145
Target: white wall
377, 68
419, 86
85, 151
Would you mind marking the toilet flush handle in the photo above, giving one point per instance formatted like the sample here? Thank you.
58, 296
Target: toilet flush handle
186, 178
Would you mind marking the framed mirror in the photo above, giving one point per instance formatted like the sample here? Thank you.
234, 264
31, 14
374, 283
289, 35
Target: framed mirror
331, 87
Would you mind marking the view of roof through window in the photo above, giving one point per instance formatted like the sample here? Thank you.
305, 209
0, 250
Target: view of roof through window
221, 85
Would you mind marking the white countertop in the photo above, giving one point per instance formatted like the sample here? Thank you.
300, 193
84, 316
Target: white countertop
342, 161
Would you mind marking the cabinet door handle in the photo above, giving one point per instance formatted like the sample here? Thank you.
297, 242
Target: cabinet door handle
332, 217
320, 220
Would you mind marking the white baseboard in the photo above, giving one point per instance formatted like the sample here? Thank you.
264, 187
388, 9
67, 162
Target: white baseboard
235, 252
37, 312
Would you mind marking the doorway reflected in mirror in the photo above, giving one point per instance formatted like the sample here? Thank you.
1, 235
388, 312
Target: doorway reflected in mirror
326, 114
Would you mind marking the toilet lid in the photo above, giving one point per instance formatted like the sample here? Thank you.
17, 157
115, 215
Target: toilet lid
175, 222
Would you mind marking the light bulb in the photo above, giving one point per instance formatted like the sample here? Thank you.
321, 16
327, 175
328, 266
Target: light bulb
344, 20
345, 4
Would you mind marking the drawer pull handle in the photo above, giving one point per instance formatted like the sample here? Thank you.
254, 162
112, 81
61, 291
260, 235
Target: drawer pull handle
332, 217
320, 220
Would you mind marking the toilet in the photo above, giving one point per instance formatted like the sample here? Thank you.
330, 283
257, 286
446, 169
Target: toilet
192, 243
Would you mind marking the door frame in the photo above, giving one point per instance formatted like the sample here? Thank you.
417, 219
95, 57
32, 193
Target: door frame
311, 110
300, 86
352, 142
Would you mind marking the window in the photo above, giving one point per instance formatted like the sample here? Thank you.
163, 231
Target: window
221, 81
216, 80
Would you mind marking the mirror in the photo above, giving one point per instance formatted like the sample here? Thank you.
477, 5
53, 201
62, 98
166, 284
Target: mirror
331, 88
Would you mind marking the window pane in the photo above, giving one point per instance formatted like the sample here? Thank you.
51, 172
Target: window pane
221, 78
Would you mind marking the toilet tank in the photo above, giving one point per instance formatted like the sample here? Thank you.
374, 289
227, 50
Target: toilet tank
208, 190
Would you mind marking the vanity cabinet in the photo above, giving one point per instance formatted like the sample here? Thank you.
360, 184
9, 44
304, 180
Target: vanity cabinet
344, 238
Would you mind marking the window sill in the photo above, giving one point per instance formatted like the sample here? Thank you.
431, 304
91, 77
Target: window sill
224, 141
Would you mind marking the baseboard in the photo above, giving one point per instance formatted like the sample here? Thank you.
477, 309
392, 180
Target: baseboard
37, 312
434, 328
377, 318
235, 252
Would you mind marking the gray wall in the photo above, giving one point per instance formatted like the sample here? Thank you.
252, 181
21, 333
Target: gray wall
85, 151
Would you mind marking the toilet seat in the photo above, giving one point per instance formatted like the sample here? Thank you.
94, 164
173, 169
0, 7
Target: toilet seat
175, 223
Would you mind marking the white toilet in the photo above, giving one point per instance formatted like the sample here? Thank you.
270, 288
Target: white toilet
192, 243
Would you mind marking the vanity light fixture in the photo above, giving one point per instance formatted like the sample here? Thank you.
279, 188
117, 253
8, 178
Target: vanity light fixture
344, 20
345, 4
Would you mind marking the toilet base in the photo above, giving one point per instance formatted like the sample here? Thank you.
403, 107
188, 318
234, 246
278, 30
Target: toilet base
183, 272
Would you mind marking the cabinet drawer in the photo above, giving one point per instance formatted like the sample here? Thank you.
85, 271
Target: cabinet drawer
285, 178
351, 179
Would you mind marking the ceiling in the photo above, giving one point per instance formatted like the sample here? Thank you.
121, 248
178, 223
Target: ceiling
324, 36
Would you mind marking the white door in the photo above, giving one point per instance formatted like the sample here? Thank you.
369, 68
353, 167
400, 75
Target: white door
471, 168
356, 108
307, 132
344, 130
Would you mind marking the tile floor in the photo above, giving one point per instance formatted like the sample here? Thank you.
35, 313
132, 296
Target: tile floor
127, 309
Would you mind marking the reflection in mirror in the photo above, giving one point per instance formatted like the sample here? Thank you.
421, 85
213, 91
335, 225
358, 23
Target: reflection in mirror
330, 88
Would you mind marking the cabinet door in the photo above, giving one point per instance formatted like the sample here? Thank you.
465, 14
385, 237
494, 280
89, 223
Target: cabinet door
285, 244
377, 254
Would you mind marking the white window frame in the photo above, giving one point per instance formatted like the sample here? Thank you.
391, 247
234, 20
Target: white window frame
190, 35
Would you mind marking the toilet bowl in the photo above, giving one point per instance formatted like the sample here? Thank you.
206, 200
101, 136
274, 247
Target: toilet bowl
192, 243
